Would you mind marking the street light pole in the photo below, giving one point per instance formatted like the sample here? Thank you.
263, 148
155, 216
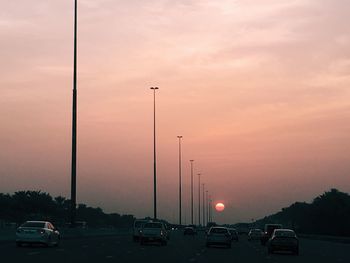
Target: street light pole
203, 203
154, 155
180, 180
199, 199
74, 123
191, 191
210, 209
207, 204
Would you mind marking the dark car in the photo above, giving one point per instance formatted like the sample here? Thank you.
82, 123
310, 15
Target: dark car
190, 231
218, 236
283, 240
269, 228
234, 234
255, 234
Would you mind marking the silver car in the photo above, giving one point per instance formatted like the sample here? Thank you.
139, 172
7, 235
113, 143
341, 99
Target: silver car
218, 236
37, 232
153, 232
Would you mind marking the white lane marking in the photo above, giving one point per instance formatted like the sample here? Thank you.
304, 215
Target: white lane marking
192, 260
129, 252
33, 253
109, 257
198, 254
85, 246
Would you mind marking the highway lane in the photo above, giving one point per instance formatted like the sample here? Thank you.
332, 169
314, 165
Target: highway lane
179, 249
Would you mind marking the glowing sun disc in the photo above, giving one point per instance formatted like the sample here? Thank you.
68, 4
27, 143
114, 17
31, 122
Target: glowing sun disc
219, 207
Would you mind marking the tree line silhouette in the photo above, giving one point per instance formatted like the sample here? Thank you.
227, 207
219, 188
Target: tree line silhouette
36, 205
328, 214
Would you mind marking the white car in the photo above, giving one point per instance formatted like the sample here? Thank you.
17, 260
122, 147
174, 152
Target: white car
218, 236
154, 232
37, 232
138, 224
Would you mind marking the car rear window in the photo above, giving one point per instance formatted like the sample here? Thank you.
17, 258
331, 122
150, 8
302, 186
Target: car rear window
218, 231
152, 225
139, 223
34, 224
282, 233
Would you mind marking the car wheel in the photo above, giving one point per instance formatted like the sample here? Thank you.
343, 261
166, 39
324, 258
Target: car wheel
207, 245
269, 251
18, 244
229, 245
296, 252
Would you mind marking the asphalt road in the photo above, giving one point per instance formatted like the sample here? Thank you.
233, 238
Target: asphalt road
179, 249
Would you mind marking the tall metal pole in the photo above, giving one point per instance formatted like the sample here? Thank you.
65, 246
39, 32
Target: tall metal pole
203, 203
74, 124
210, 208
191, 191
199, 199
154, 155
180, 180
207, 205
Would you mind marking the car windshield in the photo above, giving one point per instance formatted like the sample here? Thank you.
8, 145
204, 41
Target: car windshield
218, 231
256, 231
34, 224
284, 233
153, 225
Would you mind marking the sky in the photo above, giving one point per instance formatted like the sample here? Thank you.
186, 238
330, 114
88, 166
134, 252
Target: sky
259, 90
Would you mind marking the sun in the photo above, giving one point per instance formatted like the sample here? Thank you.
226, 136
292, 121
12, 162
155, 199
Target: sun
220, 207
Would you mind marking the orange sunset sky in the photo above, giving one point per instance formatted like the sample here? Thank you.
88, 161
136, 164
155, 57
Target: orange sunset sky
259, 89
